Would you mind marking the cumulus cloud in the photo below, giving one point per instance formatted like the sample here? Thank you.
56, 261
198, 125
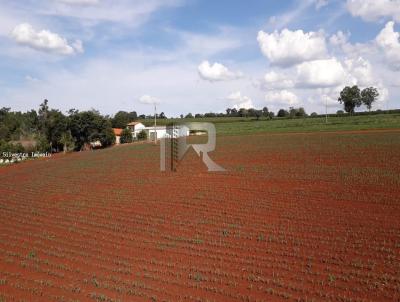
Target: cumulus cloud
333, 73
288, 47
44, 40
238, 100
275, 80
148, 99
216, 72
281, 97
361, 72
372, 10
320, 73
339, 39
389, 43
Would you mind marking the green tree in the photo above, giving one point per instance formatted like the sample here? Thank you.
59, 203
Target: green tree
265, 112
189, 115
89, 126
258, 114
126, 136
142, 135
243, 112
56, 126
234, 112
292, 112
43, 112
368, 96
283, 113
67, 141
301, 112
42, 144
120, 119
350, 97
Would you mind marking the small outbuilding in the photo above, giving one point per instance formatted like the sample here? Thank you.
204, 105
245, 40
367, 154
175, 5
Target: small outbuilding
117, 133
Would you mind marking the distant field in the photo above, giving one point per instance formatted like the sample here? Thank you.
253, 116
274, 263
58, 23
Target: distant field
239, 125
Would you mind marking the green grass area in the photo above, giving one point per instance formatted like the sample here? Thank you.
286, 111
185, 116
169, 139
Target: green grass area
240, 125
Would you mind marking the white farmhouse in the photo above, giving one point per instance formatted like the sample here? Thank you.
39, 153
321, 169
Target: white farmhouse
135, 128
159, 132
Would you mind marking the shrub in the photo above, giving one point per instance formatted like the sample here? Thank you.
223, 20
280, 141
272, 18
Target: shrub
126, 136
142, 135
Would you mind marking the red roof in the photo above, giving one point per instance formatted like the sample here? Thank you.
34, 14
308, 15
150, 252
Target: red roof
117, 131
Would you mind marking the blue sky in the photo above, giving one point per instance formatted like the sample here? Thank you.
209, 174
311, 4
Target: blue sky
196, 56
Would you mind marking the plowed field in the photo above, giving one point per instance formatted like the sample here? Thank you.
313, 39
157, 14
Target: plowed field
296, 217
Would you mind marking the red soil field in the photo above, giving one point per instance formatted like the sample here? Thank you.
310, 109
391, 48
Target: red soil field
296, 217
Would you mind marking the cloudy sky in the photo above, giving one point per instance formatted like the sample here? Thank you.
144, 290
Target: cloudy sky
196, 55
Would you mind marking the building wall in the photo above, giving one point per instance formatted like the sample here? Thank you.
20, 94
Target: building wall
161, 131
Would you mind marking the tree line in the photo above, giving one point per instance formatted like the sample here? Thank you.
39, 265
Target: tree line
54, 131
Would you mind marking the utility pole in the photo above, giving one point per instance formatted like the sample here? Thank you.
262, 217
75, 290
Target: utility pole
155, 123
326, 109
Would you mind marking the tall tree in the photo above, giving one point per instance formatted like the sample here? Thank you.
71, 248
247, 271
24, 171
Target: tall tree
43, 112
56, 126
89, 126
350, 97
368, 96
121, 119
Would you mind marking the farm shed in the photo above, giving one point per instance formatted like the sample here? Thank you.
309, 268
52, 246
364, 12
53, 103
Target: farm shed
117, 133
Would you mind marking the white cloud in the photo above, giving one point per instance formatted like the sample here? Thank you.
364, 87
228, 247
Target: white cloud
321, 73
321, 3
240, 101
281, 97
130, 13
216, 72
148, 99
361, 71
44, 40
274, 80
388, 41
372, 10
209, 44
339, 39
288, 47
